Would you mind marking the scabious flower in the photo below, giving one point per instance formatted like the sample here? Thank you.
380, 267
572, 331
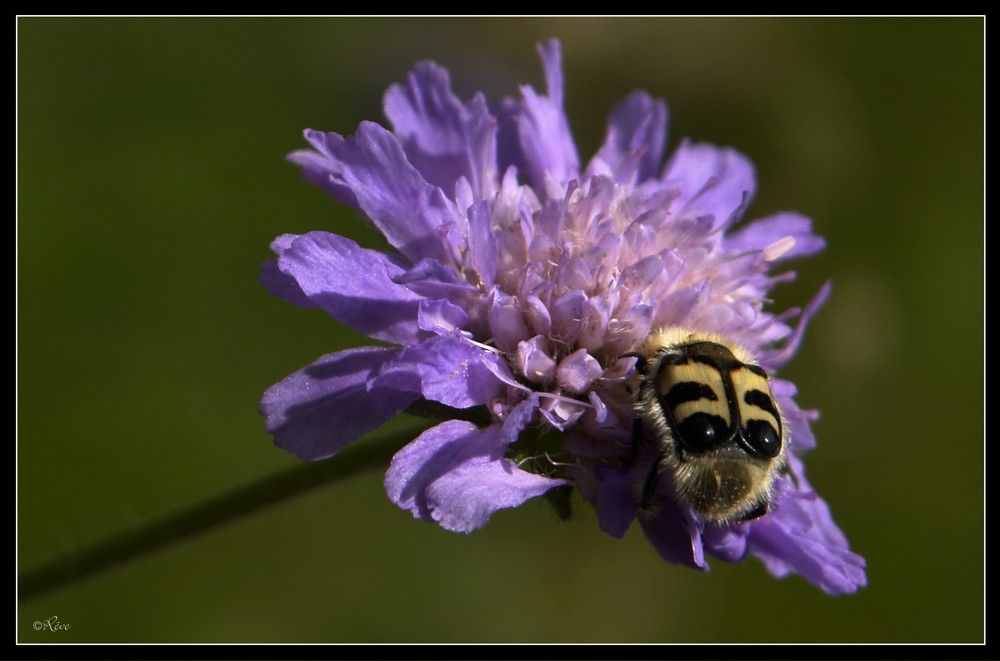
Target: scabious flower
516, 281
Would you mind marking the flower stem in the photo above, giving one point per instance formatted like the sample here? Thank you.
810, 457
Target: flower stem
145, 539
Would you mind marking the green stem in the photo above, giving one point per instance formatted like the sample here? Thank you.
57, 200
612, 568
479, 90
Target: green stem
148, 538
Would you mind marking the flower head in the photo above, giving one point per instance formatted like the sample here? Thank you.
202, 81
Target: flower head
517, 283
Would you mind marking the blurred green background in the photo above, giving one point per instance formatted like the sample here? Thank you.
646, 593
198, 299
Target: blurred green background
151, 178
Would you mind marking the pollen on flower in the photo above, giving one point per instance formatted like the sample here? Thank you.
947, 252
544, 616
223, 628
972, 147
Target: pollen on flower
520, 283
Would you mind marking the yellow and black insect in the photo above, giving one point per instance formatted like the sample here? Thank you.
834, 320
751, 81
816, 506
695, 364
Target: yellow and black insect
720, 437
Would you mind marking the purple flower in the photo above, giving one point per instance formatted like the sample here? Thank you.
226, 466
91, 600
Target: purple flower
517, 280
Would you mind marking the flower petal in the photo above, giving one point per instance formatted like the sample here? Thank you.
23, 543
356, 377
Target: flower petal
637, 130
674, 534
800, 536
711, 180
616, 508
432, 279
320, 168
567, 311
778, 357
765, 232
727, 543
799, 430
316, 411
443, 138
507, 325
424, 460
456, 474
416, 217
563, 412
533, 360
353, 284
281, 284
482, 243
447, 369
441, 317
543, 129
577, 371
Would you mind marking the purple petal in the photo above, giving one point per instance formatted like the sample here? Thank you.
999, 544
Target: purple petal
800, 432
443, 138
674, 534
432, 279
281, 284
616, 508
517, 419
637, 129
684, 302
800, 536
533, 360
456, 474
783, 388
353, 284
769, 231
537, 315
567, 311
510, 158
637, 277
600, 408
594, 325
727, 543
446, 369
320, 409
500, 370
543, 129
416, 217
482, 243
577, 371
777, 358
562, 412
424, 460
625, 333
320, 168
507, 325
441, 317
711, 180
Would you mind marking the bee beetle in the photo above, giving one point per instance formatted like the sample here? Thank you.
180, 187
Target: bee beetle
719, 434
